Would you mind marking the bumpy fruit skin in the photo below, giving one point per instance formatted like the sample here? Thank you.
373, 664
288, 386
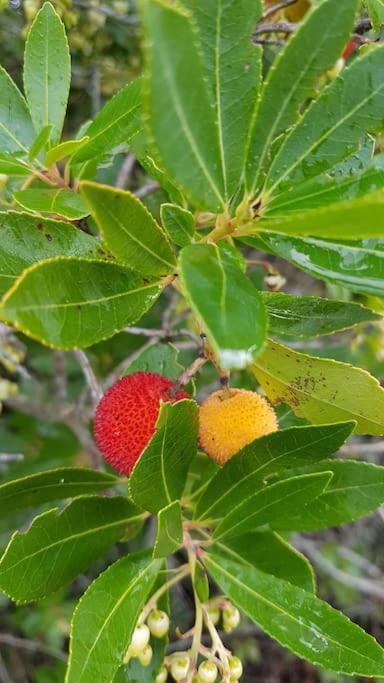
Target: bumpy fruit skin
126, 417
231, 420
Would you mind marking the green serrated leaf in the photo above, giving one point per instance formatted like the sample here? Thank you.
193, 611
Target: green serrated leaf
64, 150
356, 489
333, 125
351, 220
128, 229
16, 128
310, 316
320, 389
298, 620
40, 142
160, 357
178, 223
169, 536
160, 474
10, 165
72, 303
245, 473
273, 505
213, 284
59, 202
27, 239
60, 545
358, 266
270, 553
117, 122
47, 71
233, 70
313, 49
106, 616
177, 104
44, 487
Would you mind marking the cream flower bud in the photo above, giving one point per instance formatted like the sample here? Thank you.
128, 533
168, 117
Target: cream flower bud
179, 667
140, 640
235, 668
158, 623
208, 672
214, 614
162, 675
231, 618
145, 657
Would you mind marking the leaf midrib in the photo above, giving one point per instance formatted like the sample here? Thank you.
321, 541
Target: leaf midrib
291, 617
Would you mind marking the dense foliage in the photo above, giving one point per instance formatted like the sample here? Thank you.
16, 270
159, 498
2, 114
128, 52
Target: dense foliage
251, 165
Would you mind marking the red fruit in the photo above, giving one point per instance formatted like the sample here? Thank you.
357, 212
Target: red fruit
126, 417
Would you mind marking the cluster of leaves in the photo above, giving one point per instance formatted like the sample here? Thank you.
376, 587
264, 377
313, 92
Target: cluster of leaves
282, 164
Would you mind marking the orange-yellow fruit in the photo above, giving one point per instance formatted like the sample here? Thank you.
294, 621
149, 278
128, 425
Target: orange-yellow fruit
229, 420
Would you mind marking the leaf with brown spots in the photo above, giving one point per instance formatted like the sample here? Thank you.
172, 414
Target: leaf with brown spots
319, 389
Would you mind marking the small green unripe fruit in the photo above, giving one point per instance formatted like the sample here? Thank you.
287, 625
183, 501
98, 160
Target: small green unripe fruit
214, 614
208, 672
158, 623
162, 675
145, 657
140, 640
179, 667
231, 618
235, 668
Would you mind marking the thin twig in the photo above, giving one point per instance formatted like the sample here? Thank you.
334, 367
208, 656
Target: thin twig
365, 586
146, 189
30, 645
94, 386
275, 27
121, 367
59, 376
277, 7
125, 171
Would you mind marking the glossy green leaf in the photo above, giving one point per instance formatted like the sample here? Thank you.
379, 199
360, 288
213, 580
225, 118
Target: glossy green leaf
72, 302
64, 150
160, 357
47, 70
116, 123
270, 553
159, 475
214, 284
358, 266
40, 142
376, 11
319, 389
106, 616
178, 223
128, 229
58, 484
16, 128
310, 316
333, 125
273, 505
11, 166
59, 545
298, 620
350, 220
145, 153
134, 671
325, 190
178, 105
27, 239
244, 474
233, 70
169, 536
313, 49
59, 202
356, 490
